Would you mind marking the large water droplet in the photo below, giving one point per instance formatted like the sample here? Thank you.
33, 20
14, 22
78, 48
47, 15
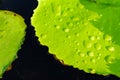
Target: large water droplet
97, 46
87, 44
110, 48
109, 59
90, 53
107, 37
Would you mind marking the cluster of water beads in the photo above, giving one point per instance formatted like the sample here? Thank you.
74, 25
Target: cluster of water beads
98, 47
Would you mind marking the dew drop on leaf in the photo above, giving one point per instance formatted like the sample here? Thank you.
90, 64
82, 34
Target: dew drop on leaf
107, 38
87, 44
110, 48
66, 30
97, 46
90, 53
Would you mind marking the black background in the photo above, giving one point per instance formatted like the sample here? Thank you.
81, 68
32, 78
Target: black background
34, 62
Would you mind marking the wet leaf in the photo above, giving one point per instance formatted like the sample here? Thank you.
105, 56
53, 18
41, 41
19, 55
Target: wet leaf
82, 33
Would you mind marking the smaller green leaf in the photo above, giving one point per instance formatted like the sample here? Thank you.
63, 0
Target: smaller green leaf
12, 32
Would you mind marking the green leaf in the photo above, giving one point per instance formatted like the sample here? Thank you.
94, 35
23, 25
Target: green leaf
12, 32
82, 33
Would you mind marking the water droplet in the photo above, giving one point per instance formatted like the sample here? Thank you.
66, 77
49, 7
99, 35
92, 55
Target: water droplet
66, 30
110, 48
59, 11
77, 34
99, 55
70, 9
87, 44
77, 22
90, 53
89, 70
82, 54
76, 19
70, 24
78, 51
109, 59
57, 26
92, 38
98, 37
60, 19
65, 14
101, 15
107, 37
78, 43
97, 46
84, 61
93, 60
68, 36
92, 71
43, 36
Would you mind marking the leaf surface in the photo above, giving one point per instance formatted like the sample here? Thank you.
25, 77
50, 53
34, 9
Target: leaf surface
82, 33
12, 32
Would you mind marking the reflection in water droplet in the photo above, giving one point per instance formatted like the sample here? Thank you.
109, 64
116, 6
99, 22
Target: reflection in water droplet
92, 38
90, 53
97, 46
107, 38
111, 48
87, 44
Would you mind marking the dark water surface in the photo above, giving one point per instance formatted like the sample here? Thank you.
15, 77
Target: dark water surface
34, 62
